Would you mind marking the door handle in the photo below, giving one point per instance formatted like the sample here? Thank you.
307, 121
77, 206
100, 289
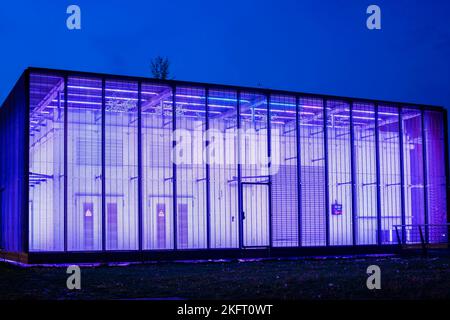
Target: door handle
243, 215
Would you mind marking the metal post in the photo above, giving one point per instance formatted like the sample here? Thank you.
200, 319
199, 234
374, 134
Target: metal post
353, 179
26, 167
299, 171
66, 166
402, 174
208, 174
447, 175
377, 162
239, 173
269, 153
103, 167
327, 187
140, 169
174, 168
425, 171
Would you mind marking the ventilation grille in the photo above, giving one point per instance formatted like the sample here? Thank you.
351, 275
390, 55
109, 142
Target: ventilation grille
88, 152
313, 206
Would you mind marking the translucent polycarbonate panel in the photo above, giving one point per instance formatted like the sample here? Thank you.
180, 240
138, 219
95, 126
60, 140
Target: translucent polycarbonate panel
365, 173
84, 171
222, 159
13, 148
121, 165
436, 177
312, 172
191, 168
46, 163
390, 173
284, 176
157, 170
413, 167
254, 160
339, 173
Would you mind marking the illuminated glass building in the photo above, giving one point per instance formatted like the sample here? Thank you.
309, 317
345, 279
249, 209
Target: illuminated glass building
99, 167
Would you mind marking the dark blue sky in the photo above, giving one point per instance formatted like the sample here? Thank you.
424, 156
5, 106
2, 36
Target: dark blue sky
310, 46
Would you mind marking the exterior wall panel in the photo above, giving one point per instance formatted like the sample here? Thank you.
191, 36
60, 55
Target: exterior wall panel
127, 164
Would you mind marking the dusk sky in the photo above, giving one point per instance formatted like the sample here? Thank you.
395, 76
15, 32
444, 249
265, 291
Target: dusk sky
308, 46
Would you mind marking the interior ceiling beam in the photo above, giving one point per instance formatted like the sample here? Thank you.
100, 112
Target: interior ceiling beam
52, 94
154, 101
232, 113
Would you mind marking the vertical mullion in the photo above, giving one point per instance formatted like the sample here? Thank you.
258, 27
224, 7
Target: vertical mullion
269, 153
25, 217
447, 177
239, 173
327, 188
353, 177
174, 168
378, 172
425, 172
139, 155
208, 174
299, 183
402, 173
65, 165
103, 145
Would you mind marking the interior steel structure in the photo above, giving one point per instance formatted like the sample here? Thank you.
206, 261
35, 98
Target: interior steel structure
87, 171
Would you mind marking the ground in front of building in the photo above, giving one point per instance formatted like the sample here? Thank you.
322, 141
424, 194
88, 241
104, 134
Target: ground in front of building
402, 277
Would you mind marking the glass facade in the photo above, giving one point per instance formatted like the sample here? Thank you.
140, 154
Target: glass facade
123, 164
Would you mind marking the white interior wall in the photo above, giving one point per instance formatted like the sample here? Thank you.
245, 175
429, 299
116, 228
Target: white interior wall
84, 185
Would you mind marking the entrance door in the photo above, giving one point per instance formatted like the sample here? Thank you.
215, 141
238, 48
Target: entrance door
255, 215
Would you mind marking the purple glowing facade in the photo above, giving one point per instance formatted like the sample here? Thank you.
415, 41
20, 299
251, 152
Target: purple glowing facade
87, 167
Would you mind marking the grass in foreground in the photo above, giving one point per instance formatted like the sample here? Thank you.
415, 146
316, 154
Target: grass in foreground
401, 278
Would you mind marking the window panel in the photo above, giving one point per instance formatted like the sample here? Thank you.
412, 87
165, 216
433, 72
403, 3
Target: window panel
313, 219
46, 166
222, 159
365, 173
284, 177
436, 189
390, 173
254, 157
84, 190
413, 174
121, 120
157, 180
191, 168
339, 172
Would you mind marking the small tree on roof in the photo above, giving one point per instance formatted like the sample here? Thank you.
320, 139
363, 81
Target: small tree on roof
160, 67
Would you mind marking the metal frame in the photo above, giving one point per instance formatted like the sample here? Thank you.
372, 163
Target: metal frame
269, 154
267, 93
377, 164
239, 172
174, 170
208, 174
103, 161
66, 161
139, 173
299, 171
447, 169
353, 177
402, 170
327, 177
425, 170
